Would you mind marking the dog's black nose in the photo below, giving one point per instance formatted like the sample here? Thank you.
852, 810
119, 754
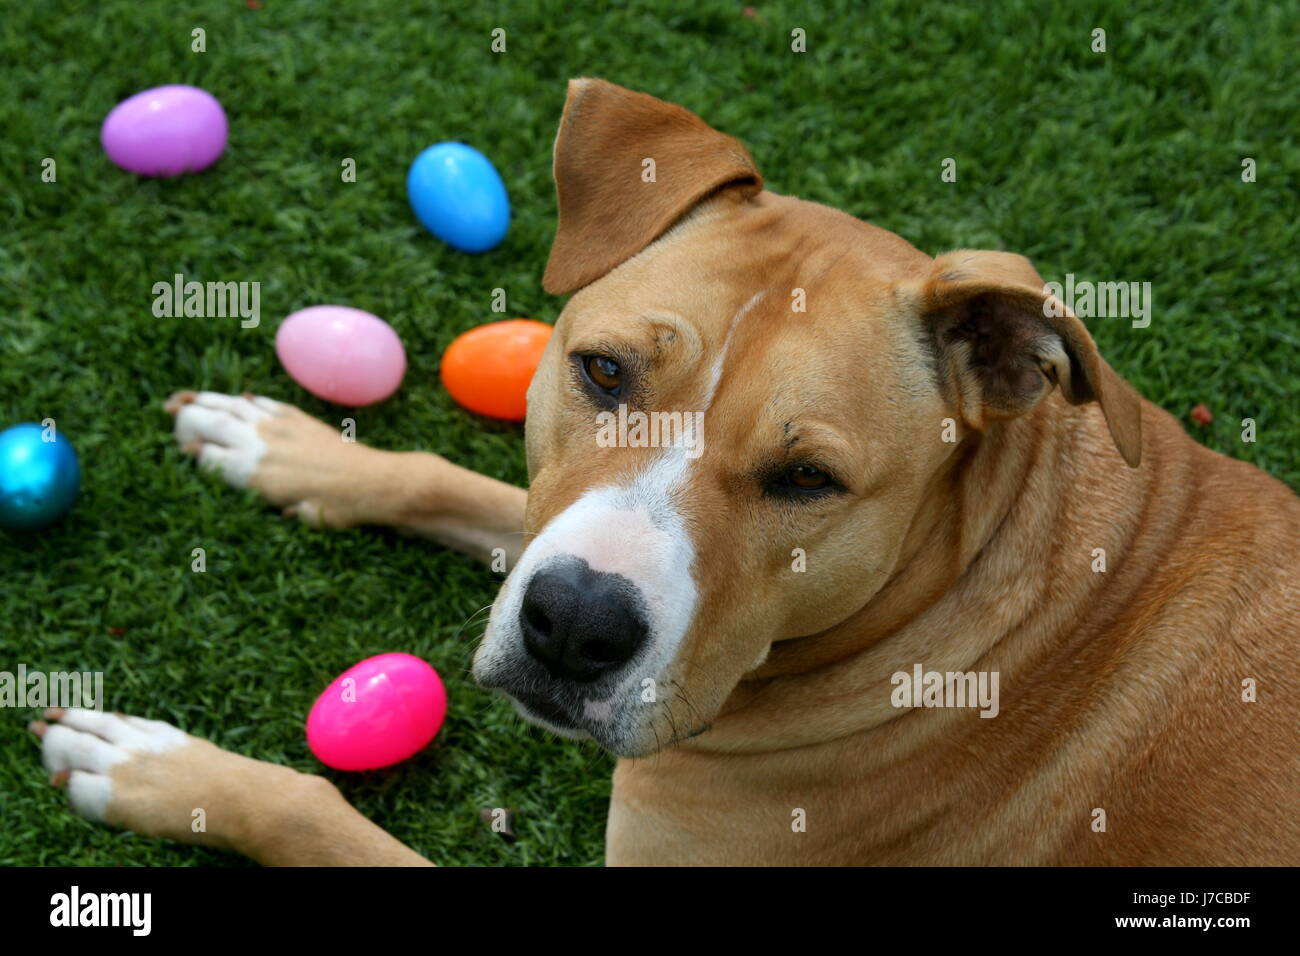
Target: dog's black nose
580, 623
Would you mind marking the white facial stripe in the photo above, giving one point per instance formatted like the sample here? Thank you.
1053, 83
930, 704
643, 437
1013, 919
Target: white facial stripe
635, 531
715, 374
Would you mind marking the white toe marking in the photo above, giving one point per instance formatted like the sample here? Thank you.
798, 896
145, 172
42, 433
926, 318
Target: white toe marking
150, 726
90, 744
108, 726
66, 749
235, 465
269, 405
236, 405
159, 737
213, 424
226, 426
54, 748
139, 736
308, 512
90, 794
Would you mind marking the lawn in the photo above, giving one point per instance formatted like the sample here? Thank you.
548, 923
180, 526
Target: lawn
1117, 166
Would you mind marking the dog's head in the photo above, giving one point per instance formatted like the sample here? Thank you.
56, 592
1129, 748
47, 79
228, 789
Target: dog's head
737, 419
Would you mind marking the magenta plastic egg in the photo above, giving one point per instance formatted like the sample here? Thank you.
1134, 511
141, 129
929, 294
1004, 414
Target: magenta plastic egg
165, 131
377, 713
340, 354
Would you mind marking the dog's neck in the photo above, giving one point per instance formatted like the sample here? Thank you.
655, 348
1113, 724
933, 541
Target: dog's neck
1007, 506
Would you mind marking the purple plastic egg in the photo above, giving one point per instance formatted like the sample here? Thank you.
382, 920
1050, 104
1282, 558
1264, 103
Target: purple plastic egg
166, 131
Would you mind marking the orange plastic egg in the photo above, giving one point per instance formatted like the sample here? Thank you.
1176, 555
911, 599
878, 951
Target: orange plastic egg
488, 369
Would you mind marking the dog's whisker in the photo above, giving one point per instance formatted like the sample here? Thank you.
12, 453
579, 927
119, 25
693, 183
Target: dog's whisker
689, 704
470, 620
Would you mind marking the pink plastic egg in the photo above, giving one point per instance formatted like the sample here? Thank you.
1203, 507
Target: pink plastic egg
377, 713
342, 355
165, 131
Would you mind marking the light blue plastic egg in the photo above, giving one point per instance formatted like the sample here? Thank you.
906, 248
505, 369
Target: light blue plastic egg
459, 196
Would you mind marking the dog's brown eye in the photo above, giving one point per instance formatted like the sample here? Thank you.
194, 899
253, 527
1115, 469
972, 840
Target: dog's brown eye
604, 372
808, 478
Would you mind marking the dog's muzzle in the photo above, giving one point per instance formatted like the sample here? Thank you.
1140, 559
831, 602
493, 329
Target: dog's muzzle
578, 635
585, 631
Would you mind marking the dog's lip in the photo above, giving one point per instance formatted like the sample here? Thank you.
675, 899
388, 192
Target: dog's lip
546, 709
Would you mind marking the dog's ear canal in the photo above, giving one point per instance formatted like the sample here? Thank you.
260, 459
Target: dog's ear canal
1004, 342
627, 166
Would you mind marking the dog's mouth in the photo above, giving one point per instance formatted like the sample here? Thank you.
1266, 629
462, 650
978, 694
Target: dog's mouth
546, 709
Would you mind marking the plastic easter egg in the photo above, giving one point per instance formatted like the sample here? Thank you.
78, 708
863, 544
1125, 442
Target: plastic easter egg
166, 131
377, 713
39, 479
341, 354
488, 369
459, 196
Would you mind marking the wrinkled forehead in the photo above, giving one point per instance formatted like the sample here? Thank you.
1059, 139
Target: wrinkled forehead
800, 259
750, 304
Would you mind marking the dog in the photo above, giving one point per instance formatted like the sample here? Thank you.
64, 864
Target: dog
926, 468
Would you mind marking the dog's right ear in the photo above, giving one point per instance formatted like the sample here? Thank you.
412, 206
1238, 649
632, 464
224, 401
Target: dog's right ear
613, 203
1003, 342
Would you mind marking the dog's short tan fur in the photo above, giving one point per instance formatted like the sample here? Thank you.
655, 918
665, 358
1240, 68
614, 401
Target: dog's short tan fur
1121, 690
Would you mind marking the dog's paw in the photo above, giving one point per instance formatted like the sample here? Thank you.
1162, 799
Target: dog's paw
151, 777
296, 462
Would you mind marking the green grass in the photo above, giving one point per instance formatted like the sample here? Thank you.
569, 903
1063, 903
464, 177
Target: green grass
1120, 166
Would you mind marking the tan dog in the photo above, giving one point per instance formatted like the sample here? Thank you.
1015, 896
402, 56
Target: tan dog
930, 468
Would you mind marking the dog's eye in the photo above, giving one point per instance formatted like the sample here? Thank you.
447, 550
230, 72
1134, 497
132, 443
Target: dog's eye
801, 483
604, 372
807, 478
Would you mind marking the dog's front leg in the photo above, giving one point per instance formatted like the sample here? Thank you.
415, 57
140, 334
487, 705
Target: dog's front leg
307, 468
150, 777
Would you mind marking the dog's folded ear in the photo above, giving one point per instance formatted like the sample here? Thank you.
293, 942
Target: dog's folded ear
1004, 341
627, 166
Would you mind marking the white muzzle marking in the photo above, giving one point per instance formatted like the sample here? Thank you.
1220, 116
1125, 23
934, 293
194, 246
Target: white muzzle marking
635, 531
